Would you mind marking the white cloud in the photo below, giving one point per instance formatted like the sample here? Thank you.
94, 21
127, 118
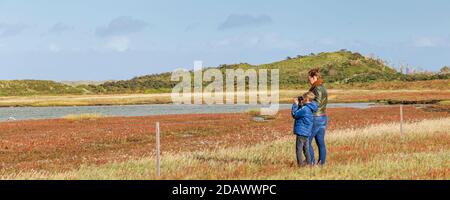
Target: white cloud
425, 42
121, 26
9, 30
268, 40
59, 28
431, 42
244, 20
55, 48
119, 44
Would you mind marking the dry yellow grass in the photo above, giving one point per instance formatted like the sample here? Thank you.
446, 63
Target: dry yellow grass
84, 116
335, 96
85, 100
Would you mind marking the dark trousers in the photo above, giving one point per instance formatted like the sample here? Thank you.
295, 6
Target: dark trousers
302, 148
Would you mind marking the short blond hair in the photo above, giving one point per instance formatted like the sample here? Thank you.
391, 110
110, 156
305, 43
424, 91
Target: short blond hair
309, 96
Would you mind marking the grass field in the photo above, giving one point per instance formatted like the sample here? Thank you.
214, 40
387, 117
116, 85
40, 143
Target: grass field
85, 116
374, 152
84, 100
122, 147
335, 96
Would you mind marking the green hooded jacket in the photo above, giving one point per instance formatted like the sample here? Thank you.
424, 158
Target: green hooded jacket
321, 99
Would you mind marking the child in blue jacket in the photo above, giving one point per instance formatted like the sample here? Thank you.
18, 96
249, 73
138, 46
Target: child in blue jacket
302, 112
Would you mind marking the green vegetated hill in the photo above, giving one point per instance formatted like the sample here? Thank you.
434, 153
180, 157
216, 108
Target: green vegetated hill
338, 68
37, 87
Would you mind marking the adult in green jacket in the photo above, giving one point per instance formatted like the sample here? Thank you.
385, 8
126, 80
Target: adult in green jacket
320, 117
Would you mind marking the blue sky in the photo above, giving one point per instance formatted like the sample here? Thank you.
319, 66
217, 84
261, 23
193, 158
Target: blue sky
112, 39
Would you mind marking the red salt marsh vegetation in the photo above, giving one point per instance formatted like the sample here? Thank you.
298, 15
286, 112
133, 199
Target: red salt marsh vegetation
65, 144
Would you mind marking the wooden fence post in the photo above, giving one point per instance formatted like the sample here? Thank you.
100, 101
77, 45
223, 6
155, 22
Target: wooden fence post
158, 151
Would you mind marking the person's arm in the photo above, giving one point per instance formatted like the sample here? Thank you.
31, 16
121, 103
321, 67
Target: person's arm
295, 108
298, 113
319, 96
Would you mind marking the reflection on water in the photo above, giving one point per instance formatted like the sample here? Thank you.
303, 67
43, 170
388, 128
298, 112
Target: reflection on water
25, 113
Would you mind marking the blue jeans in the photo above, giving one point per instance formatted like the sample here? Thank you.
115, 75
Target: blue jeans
318, 133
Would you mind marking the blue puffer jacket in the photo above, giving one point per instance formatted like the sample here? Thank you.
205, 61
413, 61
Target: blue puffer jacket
303, 116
